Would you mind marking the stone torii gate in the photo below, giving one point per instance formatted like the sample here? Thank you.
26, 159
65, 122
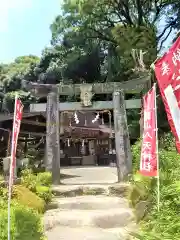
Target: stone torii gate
86, 91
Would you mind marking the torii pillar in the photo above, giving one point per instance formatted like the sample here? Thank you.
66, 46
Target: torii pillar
123, 149
52, 160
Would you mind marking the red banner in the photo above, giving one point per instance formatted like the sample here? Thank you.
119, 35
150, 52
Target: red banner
167, 70
18, 111
148, 162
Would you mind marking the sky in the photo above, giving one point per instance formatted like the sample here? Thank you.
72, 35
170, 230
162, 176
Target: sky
24, 27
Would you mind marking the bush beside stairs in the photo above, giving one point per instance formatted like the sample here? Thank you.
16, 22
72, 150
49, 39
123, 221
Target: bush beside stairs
90, 212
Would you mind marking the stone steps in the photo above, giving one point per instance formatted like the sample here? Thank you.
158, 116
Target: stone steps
108, 218
89, 202
119, 190
89, 212
87, 233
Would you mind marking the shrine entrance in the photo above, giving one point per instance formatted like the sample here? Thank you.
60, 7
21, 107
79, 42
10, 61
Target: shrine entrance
62, 120
87, 139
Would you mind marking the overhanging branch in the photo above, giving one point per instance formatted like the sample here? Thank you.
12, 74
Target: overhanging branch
171, 24
162, 42
102, 36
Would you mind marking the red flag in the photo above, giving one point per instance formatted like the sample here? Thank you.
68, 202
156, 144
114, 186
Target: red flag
148, 162
18, 110
167, 70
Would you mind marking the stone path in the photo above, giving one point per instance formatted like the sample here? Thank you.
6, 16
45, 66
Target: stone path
89, 175
92, 212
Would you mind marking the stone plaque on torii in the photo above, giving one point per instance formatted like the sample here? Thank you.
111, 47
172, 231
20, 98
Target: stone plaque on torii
86, 92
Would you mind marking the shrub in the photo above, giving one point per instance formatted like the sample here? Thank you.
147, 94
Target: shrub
136, 153
27, 198
140, 189
28, 179
39, 184
25, 223
44, 192
1, 178
25, 209
165, 223
167, 142
3, 193
44, 178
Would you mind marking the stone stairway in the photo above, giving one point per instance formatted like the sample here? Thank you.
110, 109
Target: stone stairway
93, 212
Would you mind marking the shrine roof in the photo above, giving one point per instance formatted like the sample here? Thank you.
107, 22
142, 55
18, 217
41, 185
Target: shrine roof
10, 116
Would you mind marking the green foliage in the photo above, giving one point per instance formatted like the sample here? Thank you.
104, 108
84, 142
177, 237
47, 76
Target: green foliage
25, 218
8, 101
136, 153
91, 42
114, 28
141, 190
26, 207
11, 77
27, 198
1, 178
136, 37
167, 142
44, 192
166, 146
28, 179
165, 223
12, 74
39, 184
3, 194
25, 223
45, 178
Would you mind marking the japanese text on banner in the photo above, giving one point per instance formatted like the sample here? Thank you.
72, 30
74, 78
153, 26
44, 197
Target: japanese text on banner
16, 127
167, 70
148, 163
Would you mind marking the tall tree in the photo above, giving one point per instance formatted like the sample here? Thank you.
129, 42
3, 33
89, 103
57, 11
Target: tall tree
11, 76
115, 26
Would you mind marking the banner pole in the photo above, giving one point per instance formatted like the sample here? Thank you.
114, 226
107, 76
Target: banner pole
11, 173
157, 151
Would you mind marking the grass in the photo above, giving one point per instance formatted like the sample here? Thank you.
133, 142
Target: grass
165, 224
